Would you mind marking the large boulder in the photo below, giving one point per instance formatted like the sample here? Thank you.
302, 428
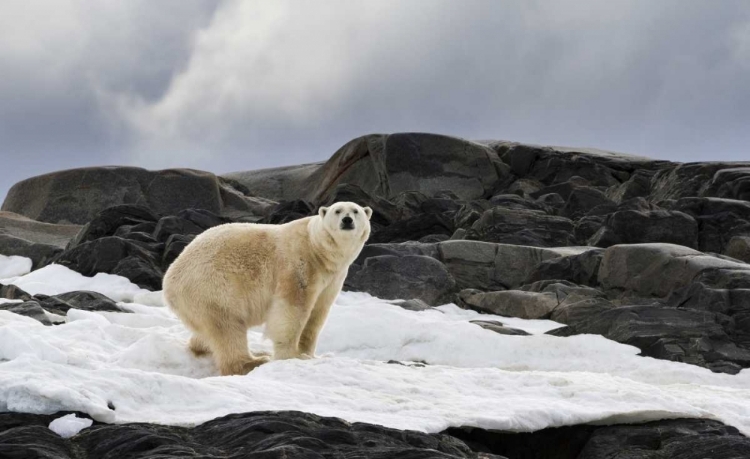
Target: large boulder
408, 277
77, 195
696, 337
29, 238
384, 166
657, 270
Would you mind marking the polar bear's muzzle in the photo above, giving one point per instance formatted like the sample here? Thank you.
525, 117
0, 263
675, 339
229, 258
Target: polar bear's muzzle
347, 223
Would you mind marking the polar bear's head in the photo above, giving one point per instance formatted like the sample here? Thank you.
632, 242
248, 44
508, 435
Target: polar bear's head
346, 219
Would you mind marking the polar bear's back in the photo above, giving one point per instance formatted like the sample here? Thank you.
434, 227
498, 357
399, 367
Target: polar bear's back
234, 265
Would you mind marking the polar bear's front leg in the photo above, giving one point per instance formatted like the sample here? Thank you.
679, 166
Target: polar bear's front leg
284, 326
309, 339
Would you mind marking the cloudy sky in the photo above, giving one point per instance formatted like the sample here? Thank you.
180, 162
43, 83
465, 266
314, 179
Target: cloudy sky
238, 85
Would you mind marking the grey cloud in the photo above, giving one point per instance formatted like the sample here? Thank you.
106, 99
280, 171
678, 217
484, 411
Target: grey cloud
244, 85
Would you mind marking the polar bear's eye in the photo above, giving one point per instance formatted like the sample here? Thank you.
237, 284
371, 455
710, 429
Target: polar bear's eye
338, 212
356, 211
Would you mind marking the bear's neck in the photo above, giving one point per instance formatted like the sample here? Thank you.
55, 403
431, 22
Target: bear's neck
333, 254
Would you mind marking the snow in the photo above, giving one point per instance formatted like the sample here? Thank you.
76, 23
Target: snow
136, 368
69, 425
14, 266
55, 279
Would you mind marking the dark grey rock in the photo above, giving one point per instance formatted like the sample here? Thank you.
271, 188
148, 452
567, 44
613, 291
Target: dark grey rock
115, 255
498, 327
60, 197
414, 228
668, 439
12, 292
79, 299
265, 435
583, 200
514, 303
522, 227
633, 226
27, 308
407, 277
691, 336
582, 268
739, 248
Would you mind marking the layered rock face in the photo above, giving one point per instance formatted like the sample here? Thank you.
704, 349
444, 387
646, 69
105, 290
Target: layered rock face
649, 253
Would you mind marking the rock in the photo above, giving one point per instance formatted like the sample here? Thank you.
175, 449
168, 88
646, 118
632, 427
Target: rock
12, 292
656, 270
384, 212
414, 228
697, 337
384, 166
683, 438
285, 434
412, 304
498, 327
110, 220
574, 311
719, 220
739, 248
40, 254
114, 255
80, 299
27, 308
487, 266
522, 227
689, 180
524, 187
632, 226
60, 197
730, 183
550, 165
677, 438
406, 277
513, 201
582, 268
582, 200
514, 303
174, 246
29, 238
287, 211
278, 183
167, 226
142, 272
638, 185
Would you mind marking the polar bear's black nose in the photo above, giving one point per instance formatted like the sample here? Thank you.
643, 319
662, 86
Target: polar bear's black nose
347, 223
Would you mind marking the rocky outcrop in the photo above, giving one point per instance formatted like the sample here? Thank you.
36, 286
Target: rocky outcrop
269, 435
384, 166
291, 434
679, 438
77, 195
29, 238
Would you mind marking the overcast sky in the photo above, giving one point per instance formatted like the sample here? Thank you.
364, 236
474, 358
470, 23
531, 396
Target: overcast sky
238, 85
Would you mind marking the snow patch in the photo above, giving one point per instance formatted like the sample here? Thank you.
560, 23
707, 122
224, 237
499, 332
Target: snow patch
139, 364
69, 425
56, 279
13, 266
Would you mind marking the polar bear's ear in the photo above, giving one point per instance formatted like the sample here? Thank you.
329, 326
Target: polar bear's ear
368, 211
322, 211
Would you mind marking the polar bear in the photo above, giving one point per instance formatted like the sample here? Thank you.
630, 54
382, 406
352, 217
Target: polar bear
239, 275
